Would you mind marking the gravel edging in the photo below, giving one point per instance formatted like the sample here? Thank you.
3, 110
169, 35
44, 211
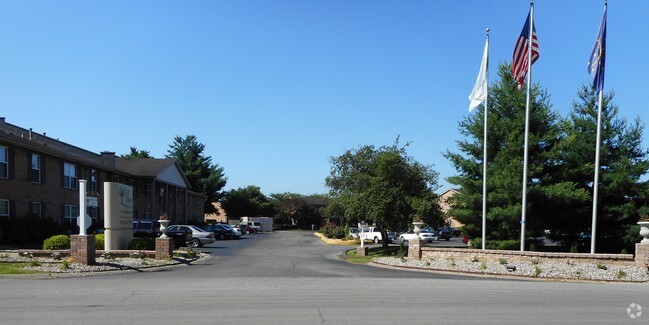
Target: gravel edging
52, 268
526, 270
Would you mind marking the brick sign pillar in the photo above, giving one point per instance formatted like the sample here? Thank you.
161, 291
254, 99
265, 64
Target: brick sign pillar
414, 248
164, 248
82, 249
641, 254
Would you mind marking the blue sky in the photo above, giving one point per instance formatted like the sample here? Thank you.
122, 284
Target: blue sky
275, 88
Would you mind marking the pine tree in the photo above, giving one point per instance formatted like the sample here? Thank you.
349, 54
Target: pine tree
622, 193
203, 176
505, 140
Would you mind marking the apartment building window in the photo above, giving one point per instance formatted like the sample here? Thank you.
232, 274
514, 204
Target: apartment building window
37, 210
133, 184
4, 162
4, 208
147, 190
71, 213
93, 212
69, 175
36, 168
93, 181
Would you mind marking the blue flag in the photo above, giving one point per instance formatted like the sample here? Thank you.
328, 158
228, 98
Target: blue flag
597, 58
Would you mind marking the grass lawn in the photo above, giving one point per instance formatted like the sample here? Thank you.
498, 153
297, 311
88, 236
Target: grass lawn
14, 268
373, 252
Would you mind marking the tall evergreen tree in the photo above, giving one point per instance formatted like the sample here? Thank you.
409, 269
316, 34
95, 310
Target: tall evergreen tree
505, 139
135, 153
203, 176
622, 193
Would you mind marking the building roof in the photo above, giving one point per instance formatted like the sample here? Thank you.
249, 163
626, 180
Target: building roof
27, 138
164, 170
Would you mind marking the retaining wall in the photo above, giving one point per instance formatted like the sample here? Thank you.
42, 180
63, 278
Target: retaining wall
518, 256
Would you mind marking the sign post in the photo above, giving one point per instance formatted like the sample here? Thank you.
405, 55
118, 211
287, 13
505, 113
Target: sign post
83, 221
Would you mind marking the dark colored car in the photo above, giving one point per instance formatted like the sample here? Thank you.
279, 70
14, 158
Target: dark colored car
220, 231
180, 235
145, 228
455, 231
444, 233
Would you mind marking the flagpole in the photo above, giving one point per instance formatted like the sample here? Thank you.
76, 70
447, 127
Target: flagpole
527, 126
484, 159
600, 90
596, 182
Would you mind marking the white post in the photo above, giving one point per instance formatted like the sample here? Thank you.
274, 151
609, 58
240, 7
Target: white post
527, 127
81, 220
596, 181
484, 159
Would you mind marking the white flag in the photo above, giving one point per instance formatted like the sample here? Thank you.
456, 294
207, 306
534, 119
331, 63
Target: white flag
479, 93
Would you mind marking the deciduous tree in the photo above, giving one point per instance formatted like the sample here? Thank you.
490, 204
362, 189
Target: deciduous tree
383, 186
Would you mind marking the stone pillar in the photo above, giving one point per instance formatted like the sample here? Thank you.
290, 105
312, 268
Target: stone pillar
82, 249
414, 248
164, 248
641, 254
361, 251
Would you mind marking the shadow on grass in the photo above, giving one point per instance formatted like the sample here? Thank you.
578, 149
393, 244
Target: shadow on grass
372, 252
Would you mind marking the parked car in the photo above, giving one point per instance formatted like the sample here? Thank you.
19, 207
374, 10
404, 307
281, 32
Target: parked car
354, 232
199, 236
455, 231
253, 224
220, 231
444, 233
235, 231
374, 234
425, 235
245, 229
407, 236
145, 228
180, 235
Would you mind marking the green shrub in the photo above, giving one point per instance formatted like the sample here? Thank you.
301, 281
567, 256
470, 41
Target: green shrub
339, 233
331, 231
512, 244
99, 242
142, 244
57, 242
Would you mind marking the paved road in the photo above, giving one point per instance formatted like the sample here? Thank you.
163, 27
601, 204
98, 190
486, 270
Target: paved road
292, 278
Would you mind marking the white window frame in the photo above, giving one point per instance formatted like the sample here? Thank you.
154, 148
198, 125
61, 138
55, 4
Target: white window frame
4, 208
36, 167
70, 175
71, 213
4, 162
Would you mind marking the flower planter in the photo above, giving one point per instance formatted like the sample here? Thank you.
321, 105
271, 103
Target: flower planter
644, 231
163, 227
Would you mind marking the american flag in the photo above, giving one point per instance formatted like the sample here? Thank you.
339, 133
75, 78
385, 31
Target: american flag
519, 62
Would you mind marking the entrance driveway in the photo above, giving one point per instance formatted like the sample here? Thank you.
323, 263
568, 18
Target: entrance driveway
293, 278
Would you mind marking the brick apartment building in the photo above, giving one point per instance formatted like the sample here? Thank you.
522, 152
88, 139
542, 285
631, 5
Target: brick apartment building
39, 177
